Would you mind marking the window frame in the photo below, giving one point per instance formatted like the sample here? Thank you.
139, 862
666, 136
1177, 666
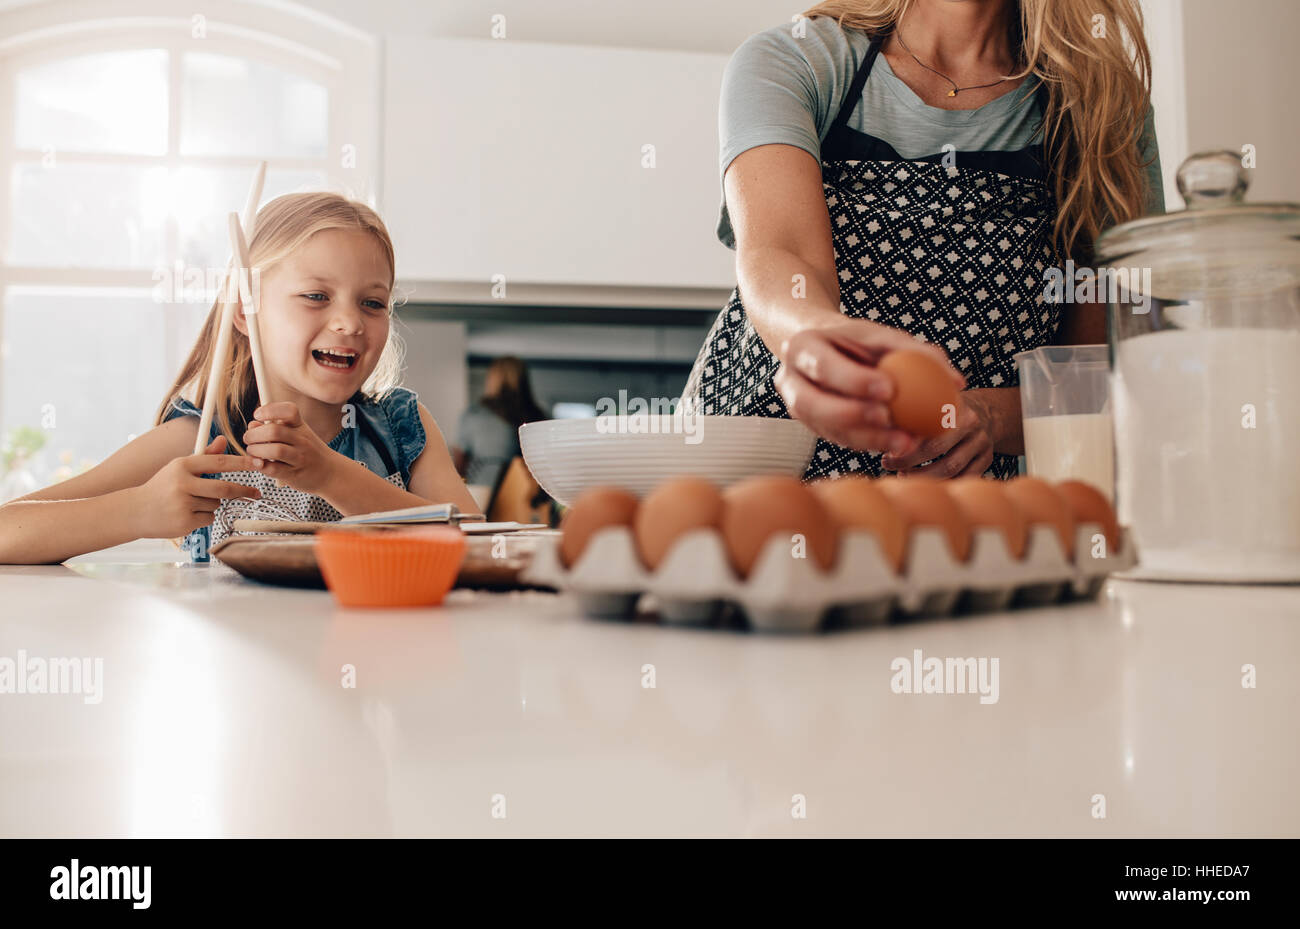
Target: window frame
342, 59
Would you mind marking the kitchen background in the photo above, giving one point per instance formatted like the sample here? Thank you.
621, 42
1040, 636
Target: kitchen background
552, 192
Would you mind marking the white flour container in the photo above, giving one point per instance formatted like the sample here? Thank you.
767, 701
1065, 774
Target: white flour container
1205, 361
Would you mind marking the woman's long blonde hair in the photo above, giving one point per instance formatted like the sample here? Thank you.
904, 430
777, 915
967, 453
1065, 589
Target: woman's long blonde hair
283, 226
1098, 92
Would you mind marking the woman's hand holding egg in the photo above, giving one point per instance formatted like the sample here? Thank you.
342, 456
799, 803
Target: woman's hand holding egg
963, 449
830, 381
289, 450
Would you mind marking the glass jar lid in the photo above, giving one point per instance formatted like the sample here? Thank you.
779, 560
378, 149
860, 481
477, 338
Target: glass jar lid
1218, 244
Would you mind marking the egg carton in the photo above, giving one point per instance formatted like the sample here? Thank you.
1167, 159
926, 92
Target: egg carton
695, 581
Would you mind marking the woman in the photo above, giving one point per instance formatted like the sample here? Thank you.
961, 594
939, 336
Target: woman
899, 172
488, 436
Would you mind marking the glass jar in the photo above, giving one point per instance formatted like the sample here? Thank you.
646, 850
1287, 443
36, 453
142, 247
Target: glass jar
1204, 337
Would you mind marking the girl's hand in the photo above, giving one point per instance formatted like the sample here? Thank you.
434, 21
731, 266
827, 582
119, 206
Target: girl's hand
176, 500
287, 449
966, 449
829, 382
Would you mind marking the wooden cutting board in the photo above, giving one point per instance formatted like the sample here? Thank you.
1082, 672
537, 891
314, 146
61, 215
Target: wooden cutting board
491, 562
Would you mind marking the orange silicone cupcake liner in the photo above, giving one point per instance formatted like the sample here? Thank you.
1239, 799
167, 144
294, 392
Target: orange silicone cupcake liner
392, 567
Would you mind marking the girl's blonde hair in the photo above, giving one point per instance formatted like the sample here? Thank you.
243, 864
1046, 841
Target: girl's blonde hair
1098, 94
283, 226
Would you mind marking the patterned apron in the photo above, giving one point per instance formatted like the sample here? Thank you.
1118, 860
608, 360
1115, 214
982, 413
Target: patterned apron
954, 255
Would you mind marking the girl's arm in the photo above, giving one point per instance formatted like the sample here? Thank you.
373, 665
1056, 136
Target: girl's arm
109, 504
129, 466
93, 510
433, 480
52, 531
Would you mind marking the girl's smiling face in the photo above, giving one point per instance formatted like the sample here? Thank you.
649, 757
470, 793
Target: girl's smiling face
323, 318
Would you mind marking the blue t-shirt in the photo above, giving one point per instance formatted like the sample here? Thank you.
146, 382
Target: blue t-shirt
384, 435
782, 89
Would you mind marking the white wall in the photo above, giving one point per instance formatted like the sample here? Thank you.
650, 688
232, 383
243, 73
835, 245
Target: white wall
683, 25
1224, 71
590, 342
1242, 78
436, 369
528, 161
1164, 34
1224, 75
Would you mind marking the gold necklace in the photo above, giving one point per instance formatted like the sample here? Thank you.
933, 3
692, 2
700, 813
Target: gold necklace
955, 89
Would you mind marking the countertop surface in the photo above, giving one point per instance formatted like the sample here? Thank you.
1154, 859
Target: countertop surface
224, 708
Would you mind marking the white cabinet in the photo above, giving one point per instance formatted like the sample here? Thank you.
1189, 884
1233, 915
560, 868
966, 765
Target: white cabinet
527, 160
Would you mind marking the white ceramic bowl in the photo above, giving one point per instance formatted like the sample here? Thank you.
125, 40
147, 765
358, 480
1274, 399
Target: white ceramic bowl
637, 453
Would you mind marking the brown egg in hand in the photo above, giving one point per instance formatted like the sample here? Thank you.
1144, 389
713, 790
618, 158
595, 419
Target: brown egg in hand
594, 510
1089, 505
924, 501
674, 508
1043, 506
924, 392
988, 507
758, 508
856, 503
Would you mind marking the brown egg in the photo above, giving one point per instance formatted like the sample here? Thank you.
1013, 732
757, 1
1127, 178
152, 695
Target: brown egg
857, 503
986, 506
594, 510
923, 501
1043, 505
758, 508
675, 507
923, 388
1089, 505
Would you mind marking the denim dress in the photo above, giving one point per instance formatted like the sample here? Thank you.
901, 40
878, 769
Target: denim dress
384, 436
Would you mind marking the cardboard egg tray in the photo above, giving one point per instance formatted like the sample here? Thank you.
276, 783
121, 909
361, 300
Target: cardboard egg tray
695, 582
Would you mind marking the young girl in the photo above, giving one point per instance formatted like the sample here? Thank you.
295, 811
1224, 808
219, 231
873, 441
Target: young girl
337, 436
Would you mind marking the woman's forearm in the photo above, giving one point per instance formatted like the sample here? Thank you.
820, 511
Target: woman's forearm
1003, 410
785, 294
52, 531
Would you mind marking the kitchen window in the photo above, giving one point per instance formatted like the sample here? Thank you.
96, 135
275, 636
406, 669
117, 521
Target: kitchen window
125, 151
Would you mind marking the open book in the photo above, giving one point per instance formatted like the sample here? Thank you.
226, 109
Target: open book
445, 513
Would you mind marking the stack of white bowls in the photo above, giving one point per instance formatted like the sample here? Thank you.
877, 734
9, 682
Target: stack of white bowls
637, 453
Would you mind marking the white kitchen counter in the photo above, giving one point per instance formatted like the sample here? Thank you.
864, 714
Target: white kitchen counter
223, 713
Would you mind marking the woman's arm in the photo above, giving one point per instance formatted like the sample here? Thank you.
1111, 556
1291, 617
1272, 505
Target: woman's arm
995, 411
990, 418
129, 466
785, 265
988, 421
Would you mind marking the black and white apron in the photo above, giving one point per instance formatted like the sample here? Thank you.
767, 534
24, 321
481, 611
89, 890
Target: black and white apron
954, 255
